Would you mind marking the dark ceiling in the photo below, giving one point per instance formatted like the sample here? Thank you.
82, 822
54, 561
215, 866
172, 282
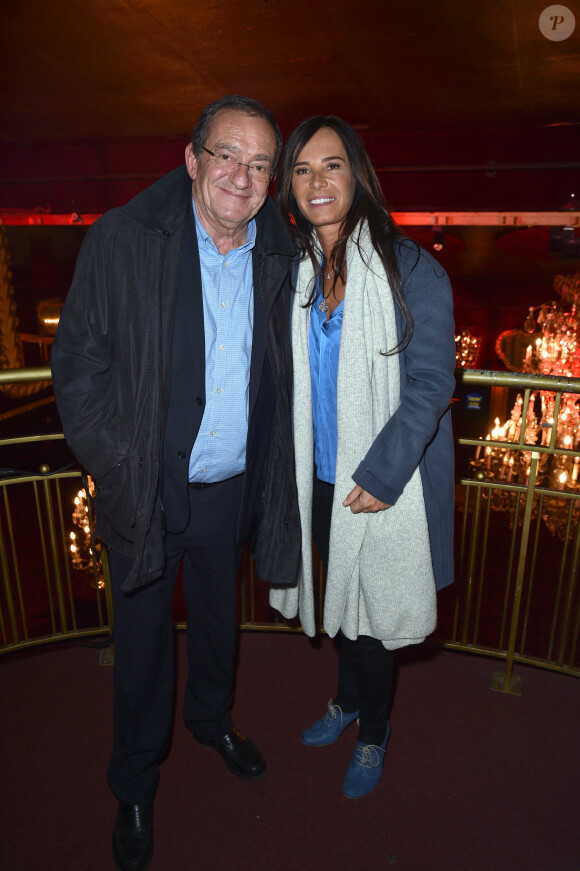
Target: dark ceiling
75, 70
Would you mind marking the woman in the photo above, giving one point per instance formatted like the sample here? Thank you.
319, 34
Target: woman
374, 359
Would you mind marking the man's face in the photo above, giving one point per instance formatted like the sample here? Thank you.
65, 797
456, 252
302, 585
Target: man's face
226, 199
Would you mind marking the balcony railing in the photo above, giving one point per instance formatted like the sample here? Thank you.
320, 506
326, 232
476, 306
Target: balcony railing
516, 596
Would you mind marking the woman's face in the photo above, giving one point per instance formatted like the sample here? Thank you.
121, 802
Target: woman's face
322, 181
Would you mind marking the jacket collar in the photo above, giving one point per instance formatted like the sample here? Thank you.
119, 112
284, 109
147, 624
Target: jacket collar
164, 204
272, 236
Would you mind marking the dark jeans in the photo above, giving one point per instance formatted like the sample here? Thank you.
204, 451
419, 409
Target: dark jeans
365, 667
144, 643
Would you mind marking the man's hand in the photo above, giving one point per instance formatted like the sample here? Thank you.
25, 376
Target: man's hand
358, 500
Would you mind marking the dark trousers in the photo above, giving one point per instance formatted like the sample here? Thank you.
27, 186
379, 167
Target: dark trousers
144, 643
365, 667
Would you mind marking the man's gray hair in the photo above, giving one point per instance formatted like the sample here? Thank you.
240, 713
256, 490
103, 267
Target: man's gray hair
239, 104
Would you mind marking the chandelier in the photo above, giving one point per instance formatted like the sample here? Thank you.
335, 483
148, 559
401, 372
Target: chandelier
549, 419
84, 552
466, 349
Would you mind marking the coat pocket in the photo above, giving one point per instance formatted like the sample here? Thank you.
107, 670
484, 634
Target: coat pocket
118, 496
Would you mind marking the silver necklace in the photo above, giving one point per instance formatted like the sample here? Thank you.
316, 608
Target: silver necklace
323, 305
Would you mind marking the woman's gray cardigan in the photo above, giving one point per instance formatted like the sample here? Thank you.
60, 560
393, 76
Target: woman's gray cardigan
419, 433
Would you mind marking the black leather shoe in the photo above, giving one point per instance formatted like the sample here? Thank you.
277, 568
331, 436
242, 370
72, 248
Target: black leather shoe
241, 755
133, 837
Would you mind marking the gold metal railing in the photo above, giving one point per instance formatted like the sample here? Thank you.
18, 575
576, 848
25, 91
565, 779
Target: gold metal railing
516, 596
527, 605
42, 596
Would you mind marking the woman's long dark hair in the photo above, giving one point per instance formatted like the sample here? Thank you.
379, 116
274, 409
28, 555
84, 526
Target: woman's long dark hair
368, 203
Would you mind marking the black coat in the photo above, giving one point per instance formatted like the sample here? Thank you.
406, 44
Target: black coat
111, 365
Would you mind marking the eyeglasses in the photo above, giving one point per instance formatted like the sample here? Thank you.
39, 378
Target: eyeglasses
257, 169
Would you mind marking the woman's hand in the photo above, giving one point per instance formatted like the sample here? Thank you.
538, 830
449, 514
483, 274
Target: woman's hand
358, 500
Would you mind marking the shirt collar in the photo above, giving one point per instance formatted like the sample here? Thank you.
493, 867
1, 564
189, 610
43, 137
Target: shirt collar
204, 236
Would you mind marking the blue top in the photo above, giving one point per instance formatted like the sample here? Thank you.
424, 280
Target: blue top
324, 346
219, 451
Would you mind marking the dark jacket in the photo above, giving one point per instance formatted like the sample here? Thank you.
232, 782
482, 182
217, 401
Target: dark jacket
111, 364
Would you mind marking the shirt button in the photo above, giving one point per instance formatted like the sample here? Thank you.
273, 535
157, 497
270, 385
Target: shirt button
220, 348
181, 455
212, 432
219, 390
224, 305
199, 400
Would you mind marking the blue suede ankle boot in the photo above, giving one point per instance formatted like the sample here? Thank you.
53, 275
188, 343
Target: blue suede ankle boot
326, 730
366, 768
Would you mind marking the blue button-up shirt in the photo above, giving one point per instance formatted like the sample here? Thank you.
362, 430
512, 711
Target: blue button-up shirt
324, 346
219, 451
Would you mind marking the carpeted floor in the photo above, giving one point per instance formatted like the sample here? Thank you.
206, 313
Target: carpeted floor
474, 780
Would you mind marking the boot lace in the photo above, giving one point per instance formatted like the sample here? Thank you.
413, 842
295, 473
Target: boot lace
369, 755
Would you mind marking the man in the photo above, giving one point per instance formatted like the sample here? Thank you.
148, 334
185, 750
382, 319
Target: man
170, 360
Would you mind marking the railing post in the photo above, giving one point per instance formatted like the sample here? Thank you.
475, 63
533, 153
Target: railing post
570, 596
54, 551
509, 683
471, 565
7, 590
